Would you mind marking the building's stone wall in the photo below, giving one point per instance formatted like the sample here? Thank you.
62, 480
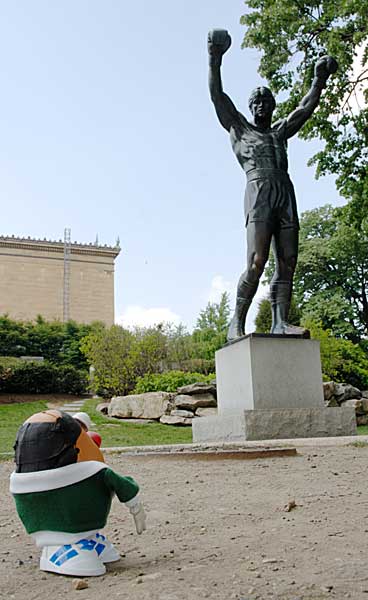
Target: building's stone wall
32, 280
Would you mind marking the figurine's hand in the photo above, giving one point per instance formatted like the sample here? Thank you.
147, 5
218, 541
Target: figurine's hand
219, 41
137, 510
325, 67
139, 516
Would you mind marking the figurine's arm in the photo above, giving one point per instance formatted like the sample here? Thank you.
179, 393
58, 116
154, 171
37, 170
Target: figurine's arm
124, 487
219, 42
324, 67
127, 490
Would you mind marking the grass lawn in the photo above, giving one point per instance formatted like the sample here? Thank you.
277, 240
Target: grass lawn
363, 430
116, 433
11, 417
113, 431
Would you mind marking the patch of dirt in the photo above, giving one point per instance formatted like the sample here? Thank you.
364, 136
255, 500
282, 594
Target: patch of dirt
220, 530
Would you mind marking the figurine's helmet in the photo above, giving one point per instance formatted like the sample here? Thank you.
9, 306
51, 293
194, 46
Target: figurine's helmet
261, 91
52, 439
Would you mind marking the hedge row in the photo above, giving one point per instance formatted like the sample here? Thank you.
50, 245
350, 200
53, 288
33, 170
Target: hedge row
42, 378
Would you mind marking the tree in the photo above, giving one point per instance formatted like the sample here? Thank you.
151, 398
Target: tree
331, 279
215, 316
179, 347
119, 356
211, 329
342, 361
292, 35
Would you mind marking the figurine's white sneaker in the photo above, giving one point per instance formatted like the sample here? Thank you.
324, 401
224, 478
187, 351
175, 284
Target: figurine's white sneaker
106, 551
79, 559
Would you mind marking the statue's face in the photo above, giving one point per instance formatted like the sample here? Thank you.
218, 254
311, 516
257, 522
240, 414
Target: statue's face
262, 105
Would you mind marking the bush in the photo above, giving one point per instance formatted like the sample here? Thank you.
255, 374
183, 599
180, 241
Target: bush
342, 361
10, 361
205, 366
58, 343
169, 381
71, 380
120, 356
42, 378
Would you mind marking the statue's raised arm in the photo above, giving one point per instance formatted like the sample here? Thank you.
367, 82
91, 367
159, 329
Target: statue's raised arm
219, 41
324, 67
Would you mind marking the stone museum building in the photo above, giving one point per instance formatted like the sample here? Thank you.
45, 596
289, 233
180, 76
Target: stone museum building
57, 280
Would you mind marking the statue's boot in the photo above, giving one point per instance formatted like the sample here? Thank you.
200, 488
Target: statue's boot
284, 328
236, 328
280, 306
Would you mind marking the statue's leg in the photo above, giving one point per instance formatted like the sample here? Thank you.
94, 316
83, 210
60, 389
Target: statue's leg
285, 249
258, 246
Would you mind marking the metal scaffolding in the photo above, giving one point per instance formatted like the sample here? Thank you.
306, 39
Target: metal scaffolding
66, 287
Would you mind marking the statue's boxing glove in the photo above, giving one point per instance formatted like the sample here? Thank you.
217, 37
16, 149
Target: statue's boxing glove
219, 41
324, 67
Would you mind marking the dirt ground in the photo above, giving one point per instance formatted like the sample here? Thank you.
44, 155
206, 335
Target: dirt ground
219, 530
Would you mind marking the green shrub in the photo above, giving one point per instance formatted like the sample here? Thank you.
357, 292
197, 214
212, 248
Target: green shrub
342, 361
205, 366
71, 380
10, 361
42, 378
58, 343
169, 381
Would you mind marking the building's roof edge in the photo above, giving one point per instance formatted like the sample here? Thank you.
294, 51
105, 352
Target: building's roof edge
53, 245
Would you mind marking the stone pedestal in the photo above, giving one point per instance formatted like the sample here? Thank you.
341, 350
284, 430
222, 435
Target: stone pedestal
270, 387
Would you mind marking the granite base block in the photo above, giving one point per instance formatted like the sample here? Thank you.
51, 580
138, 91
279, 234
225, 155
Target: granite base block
268, 371
271, 424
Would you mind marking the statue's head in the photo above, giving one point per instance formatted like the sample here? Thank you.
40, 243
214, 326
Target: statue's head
261, 102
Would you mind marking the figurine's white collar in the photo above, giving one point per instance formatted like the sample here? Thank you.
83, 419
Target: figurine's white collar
51, 479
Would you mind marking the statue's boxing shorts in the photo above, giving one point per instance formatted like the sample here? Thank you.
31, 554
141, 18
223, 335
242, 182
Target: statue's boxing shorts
270, 198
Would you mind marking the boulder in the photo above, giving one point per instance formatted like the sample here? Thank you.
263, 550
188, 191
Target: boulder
182, 413
345, 391
103, 407
151, 405
360, 405
195, 401
328, 391
206, 412
198, 388
365, 393
331, 402
170, 420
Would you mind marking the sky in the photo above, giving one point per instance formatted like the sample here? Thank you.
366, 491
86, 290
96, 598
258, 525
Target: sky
106, 127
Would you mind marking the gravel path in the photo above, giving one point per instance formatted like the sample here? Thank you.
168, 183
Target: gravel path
218, 529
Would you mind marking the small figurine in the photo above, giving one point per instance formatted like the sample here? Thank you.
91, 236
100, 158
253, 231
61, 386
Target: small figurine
63, 492
85, 420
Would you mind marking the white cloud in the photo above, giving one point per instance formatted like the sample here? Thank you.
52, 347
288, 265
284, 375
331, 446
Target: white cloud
138, 316
219, 285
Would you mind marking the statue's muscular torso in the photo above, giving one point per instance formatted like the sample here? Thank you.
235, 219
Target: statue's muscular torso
257, 149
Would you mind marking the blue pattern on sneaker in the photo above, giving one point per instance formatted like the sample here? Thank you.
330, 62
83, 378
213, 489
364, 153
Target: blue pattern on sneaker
86, 544
66, 552
63, 554
99, 546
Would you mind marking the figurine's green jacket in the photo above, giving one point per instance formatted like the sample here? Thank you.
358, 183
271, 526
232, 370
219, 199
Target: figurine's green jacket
70, 499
